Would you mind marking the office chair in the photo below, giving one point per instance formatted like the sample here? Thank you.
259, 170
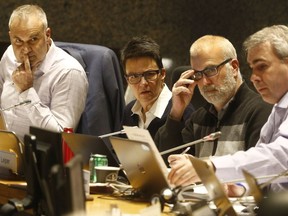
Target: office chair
105, 100
197, 99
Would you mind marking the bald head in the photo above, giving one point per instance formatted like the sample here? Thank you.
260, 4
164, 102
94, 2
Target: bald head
210, 44
26, 13
216, 52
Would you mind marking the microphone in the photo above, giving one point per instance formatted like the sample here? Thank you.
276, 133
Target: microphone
210, 137
112, 134
16, 105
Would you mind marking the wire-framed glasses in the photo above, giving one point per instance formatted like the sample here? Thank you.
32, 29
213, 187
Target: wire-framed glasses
149, 75
210, 71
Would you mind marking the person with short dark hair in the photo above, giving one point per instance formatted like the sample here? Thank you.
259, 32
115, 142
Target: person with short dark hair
145, 75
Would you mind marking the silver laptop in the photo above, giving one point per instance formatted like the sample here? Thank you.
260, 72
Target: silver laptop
144, 169
85, 145
214, 187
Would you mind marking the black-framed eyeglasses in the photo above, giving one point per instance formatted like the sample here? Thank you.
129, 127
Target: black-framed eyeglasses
149, 75
209, 72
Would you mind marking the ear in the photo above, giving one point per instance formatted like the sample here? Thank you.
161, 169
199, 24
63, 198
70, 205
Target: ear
163, 73
48, 32
235, 65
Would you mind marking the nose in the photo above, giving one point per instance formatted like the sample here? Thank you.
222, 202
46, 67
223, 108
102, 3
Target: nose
254, 78
205, 80
26, 48
143, 80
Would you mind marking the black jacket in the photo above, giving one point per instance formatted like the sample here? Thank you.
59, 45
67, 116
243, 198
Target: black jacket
240, 125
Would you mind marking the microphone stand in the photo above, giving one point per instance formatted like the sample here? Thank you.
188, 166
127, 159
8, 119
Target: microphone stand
112, 134
210, 137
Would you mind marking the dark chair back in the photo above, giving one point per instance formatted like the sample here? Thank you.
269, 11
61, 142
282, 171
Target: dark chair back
105, 100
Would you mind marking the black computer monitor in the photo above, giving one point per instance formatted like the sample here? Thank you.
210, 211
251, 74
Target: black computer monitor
43, 150
52, 188
62, 186
48, 149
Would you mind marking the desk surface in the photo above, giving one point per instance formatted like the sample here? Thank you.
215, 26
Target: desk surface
100, 205
11, 189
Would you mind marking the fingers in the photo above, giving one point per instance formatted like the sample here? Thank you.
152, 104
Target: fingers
234, 190
182, 176
187, 74
182, 172
26, 63
174, 157
185, 83
22, 77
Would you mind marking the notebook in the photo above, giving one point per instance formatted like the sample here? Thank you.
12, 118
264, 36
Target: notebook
143, 166
85, 145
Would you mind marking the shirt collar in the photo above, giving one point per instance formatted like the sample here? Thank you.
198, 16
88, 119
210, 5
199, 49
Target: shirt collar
159, 106
283, 103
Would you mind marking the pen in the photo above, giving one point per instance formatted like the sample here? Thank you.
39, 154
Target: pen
186, 150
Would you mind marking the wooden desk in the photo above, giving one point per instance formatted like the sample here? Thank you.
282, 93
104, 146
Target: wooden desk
11, 189
100, 205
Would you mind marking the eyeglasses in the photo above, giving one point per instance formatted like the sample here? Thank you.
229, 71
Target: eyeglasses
209, 72
149, 75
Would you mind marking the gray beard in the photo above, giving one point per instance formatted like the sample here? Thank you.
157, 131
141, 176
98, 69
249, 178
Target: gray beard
223, 92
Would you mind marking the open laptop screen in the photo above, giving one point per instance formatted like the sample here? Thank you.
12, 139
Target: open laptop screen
142, 166
85, 145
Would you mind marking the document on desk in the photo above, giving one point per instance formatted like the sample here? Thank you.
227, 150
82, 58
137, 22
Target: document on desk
143, 135
8, 160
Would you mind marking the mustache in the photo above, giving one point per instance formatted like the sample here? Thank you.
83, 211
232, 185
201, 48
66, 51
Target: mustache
209, 88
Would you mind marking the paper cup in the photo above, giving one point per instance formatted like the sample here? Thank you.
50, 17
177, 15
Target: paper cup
106, 173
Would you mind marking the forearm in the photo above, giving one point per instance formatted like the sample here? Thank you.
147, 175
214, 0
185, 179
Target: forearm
63, 108
176, 113
263, 160
169, 135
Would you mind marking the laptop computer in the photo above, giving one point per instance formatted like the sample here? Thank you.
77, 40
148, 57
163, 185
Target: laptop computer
144, 169
85, 145
214, 187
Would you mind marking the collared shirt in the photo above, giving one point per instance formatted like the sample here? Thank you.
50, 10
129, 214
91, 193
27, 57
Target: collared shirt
268, 157
156, 110
57, 97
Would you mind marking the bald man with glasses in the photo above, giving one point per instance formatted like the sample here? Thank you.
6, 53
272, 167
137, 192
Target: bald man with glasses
232, 107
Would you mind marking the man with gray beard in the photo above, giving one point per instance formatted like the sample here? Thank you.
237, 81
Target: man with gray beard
232, 107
